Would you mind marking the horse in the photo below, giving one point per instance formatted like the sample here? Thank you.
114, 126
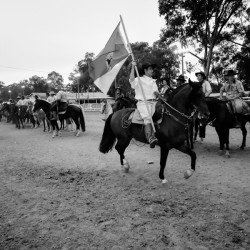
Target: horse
222, 120
73, 111
40, 116
123, 102
12, 109
171, 132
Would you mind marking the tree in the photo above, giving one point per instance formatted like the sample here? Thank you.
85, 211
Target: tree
243, 60
80, 73
55, 81
206, 23
39, 84
159, 54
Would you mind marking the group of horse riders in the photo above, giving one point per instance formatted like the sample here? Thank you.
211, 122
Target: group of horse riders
232, 87
58, 102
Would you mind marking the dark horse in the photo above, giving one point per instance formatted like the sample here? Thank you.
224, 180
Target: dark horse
171, 132
123, 102
17, 114
223, 121
73, 111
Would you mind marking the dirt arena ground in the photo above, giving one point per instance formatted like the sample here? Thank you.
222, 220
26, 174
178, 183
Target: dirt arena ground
63, 194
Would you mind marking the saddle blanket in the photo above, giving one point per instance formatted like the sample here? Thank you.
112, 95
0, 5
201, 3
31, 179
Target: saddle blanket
135, 117
238, 106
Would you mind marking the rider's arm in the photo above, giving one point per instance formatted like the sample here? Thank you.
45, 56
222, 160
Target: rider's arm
155, 90
208, 89
222, 90
132, 79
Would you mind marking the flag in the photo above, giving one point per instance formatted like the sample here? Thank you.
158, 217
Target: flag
104, 68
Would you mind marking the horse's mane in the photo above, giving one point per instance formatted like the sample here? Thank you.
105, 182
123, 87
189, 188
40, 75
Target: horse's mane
175, 91
43, 100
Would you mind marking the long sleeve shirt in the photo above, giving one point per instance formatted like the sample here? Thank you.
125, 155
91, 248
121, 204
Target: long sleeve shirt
232, 89
149, 87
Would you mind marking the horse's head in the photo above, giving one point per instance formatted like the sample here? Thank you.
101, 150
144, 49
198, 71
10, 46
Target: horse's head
37, 105
5, 106
123, 102
197, 98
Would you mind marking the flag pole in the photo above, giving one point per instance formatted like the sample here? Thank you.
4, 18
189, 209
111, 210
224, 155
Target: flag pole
137, 74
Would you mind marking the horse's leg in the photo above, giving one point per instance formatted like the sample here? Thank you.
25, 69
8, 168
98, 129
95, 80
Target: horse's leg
221, 139
76, 120
244, 135
164, 156
58, 132
191, 135
121, 146
52, 122
186, 150
44, 125
196, 128
227, 154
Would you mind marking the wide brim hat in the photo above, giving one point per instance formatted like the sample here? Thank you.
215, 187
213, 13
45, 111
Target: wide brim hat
181, 78
146, 65
200, 73
52, 93
19, 97
230, 72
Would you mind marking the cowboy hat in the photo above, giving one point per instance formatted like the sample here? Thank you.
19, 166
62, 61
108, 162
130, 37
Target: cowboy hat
181, 78
200, 73
229, 72
52, 93
18, 97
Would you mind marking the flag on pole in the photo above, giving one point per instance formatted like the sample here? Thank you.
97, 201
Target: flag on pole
104, 68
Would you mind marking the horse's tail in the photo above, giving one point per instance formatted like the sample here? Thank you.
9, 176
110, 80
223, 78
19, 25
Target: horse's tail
108, 137
82, 120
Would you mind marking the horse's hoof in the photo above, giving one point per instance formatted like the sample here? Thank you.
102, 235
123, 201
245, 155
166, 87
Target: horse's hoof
220, 152
125, 166
164, 181
188, 173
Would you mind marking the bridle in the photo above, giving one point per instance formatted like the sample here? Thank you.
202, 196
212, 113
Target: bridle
189, 118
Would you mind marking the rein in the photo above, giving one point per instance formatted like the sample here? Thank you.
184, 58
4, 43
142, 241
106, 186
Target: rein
185, 125
189, 118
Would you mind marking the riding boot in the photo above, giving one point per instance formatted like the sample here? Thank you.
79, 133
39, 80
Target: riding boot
152, 140
236, 122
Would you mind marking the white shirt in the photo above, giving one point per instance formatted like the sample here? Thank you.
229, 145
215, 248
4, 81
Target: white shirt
51, 99
20, 102
206, 87
149, 87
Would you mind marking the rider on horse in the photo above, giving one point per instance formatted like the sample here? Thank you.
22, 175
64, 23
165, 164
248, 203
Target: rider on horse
51, 97
149, 86
234, 91
60, 104
180, 80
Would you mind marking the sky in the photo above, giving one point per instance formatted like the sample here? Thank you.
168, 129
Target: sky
41, 36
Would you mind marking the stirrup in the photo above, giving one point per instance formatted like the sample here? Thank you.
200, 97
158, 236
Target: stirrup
153, 141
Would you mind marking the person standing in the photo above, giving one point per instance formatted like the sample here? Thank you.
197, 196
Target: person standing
149, 87
207, 90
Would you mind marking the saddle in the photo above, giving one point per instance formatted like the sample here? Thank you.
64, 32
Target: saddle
132, 115
238, 106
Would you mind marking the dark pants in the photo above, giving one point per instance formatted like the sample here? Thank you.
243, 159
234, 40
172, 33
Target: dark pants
58, 106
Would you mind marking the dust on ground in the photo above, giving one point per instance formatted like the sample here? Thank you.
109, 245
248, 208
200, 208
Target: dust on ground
62, 193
